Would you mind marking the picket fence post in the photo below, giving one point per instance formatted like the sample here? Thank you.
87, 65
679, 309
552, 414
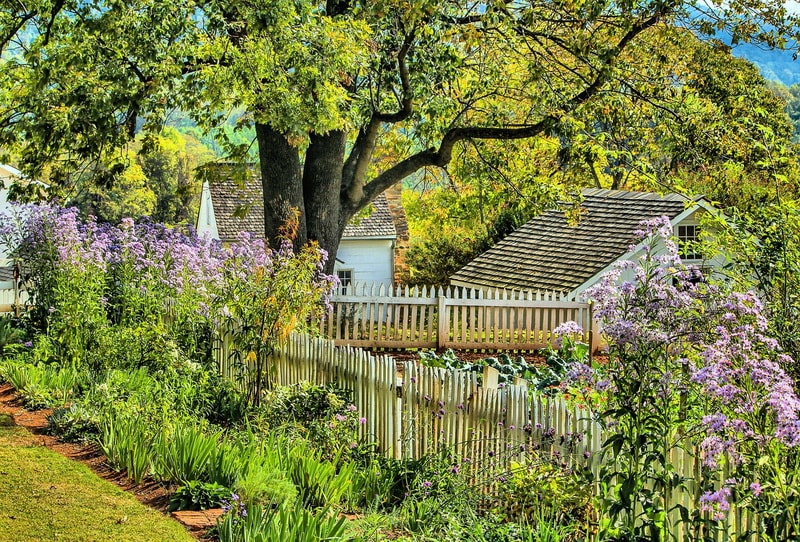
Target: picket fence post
443, 333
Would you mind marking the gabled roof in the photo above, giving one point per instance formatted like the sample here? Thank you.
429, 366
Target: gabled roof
240, 207
549, 254
379, 224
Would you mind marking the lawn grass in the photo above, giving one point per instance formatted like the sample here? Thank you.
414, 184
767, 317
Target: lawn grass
45, 496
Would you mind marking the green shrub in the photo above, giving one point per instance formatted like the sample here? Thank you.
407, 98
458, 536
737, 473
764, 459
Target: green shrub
321, 415
198, 495
539, 484
10, 336
218, 400
145, 344
303, 403
262, 485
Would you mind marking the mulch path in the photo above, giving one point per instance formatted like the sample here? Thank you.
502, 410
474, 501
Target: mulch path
149, 492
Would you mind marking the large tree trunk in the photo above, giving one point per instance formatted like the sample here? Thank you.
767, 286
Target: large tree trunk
322, 186
281, 181
313, 188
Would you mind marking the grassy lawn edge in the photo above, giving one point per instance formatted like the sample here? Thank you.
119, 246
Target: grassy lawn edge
45, 496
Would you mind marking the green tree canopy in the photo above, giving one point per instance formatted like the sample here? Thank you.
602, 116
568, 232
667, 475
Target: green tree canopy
158, 181
347, 97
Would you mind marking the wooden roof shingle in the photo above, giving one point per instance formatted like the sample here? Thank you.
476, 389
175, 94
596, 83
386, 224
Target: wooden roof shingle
547, 253
239, 207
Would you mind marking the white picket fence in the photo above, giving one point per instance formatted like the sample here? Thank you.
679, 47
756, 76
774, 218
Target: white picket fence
412, 410
374, 316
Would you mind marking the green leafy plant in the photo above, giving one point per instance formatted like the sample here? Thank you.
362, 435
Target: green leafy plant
508, 367
569, 350
198, 495
75, 423
323, 415
295, 523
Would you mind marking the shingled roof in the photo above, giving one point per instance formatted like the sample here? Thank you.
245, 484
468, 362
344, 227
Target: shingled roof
239, 207
549, 254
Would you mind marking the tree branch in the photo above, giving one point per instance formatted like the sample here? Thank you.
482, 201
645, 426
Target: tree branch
19, 23
443, 155
395, 174
355, 168
406, 104
59, 4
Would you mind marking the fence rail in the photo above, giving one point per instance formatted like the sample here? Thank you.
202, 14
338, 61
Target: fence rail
374, 316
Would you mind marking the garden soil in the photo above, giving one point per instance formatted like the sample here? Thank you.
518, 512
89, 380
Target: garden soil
150, 493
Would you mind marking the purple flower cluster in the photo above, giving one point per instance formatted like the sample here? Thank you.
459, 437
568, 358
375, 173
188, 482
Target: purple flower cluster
571, 330
678, 334
716, 503
142, 265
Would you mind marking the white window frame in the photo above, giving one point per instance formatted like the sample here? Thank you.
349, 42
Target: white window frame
688, 234
343, 286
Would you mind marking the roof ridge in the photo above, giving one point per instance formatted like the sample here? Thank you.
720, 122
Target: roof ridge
636, 194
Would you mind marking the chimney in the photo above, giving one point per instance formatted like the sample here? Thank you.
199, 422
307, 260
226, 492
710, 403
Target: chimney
394, 197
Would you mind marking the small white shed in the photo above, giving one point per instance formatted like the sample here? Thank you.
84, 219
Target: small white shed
549, 253
367, 252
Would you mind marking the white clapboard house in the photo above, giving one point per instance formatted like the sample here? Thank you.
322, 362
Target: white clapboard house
549, 253
370, 250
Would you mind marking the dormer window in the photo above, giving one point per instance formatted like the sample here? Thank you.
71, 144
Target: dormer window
688, 239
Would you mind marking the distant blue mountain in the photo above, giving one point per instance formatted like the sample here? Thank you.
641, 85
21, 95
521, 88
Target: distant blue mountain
775, 65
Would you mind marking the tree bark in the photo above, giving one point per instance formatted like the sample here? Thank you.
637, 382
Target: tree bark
322, 186
282, 183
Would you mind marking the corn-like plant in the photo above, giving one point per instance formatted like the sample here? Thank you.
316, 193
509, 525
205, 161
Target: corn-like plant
185, 455
226, 463
256, 524
43, 385
15, 373
319, 485
126, 443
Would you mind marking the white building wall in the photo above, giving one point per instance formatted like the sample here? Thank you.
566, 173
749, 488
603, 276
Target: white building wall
691, 219
206, 221
7, 176
371, 260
